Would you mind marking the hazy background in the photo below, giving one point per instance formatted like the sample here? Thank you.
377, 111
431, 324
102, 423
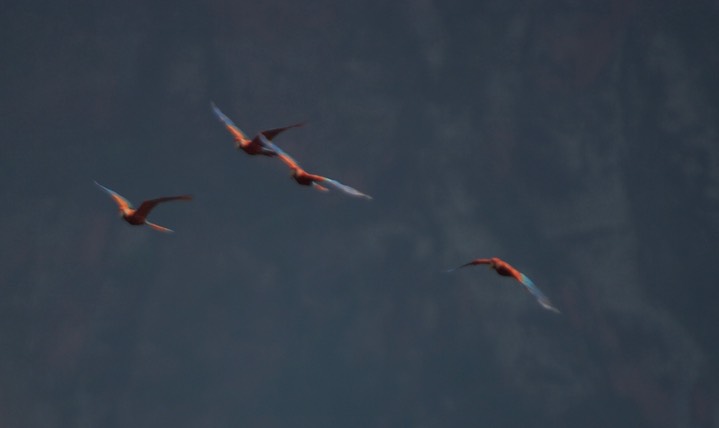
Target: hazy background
576, 139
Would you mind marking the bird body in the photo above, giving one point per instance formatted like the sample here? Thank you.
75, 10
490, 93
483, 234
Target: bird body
505, 269
255, 145
305, 178
137, 217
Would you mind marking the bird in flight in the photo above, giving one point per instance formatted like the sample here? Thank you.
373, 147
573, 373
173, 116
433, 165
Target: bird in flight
306, 179
254, 146
505, 269
138, 216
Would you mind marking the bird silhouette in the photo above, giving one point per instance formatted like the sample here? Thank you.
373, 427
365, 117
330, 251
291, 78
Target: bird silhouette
254, 146
306, 179
505, 269
138, 216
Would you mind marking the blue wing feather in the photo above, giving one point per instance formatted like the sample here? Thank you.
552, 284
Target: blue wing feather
113, 193
226, 120
537, 293
275, 148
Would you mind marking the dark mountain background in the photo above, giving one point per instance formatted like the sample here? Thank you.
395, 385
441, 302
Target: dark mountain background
578, 140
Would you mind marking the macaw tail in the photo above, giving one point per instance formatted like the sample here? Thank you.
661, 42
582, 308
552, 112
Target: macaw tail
537, 293
158, 227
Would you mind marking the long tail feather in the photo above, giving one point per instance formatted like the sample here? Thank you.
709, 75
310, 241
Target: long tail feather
159, 228
537, 293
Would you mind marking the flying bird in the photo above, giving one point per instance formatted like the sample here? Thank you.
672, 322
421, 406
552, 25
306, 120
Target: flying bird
254, 146
138, 216
505, 269
306, 179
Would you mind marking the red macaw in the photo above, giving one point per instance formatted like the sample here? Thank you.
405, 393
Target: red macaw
253, 146
505, 269
138, 216
306, 179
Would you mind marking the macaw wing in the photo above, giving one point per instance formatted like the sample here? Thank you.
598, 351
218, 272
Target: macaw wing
474, 262
119, 200
283, 155
234, 130
146, 206
272, 133
536, 292
345, 188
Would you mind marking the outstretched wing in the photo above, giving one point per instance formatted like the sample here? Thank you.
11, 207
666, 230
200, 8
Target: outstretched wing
234, 130
472, 263
121, 202
344, 188
536, 292
283, 155
147, 206
272, 133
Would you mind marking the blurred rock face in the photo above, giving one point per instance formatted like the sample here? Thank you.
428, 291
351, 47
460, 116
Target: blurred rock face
574, 139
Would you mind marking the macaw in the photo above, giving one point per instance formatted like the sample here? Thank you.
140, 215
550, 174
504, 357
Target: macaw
138, 216
505, 269
306, 179
253, 146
